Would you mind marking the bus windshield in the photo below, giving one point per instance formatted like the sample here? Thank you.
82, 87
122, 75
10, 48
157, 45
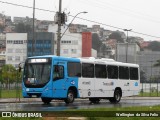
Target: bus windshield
36, 74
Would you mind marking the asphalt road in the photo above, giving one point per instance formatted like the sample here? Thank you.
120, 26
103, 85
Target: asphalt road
37, 105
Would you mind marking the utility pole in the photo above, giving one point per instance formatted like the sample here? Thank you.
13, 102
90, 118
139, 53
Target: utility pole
60, 19
59, 28
33, 37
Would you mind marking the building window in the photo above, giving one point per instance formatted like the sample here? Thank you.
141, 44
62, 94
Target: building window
19, 50
17, 58
65, 51
66, 42
9, 42
10, 50
9, 58
25, 41
18, 42
73, 51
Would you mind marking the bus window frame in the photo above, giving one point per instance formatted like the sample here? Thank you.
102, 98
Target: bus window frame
58, 78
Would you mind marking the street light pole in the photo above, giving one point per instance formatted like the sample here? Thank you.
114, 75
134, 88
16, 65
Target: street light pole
59, 36
127, 44
72, 21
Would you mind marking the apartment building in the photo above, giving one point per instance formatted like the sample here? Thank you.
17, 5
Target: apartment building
16, 48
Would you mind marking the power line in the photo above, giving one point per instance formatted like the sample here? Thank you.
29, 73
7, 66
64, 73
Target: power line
26, 6
82, 19
116, 27
105, 5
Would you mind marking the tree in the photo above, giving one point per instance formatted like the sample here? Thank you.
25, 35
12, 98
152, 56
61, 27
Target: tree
116, 35
1, 28
154, 46
8, 75
22, 28
96, 43
0, 75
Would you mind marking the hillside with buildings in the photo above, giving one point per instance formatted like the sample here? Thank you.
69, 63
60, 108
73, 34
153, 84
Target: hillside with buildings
17, 42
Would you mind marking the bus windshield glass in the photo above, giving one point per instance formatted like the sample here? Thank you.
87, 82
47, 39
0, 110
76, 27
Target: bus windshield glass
37, 72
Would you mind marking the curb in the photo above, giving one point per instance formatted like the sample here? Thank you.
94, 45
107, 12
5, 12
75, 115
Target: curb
25, 100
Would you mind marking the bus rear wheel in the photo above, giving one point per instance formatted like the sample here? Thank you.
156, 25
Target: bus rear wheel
117, 96
46, 100
70, 97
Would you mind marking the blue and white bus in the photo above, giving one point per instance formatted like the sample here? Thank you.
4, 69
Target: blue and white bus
64, 78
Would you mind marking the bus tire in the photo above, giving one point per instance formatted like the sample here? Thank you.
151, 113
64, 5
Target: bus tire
70, 97
46, 100
117, 96
94, 100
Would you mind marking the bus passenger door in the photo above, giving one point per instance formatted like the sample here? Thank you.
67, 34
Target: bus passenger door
59, 80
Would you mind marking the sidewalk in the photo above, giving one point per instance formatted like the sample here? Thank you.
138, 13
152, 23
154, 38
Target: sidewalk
18, 100
23, 100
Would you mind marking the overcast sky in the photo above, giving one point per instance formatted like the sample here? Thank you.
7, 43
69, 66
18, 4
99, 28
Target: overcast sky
141, 16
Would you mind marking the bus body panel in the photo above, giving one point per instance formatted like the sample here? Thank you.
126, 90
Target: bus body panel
46, 91
104, 88
85, 87
61, 86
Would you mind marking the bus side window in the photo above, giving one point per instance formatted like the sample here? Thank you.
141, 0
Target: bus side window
58, 72
112, 72
100, 71
74, 69
134, 73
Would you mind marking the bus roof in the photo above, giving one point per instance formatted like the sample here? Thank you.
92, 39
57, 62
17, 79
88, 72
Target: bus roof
89, 60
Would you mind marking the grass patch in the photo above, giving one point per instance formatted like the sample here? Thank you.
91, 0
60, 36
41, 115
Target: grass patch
134, 108
110, 113
11, 93
148, 94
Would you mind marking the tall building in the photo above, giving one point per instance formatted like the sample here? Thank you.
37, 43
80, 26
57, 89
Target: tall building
74, 44
43, 44
16, 48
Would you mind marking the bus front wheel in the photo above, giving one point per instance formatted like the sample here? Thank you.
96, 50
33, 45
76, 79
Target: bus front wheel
70, 97
46, 100
117, 96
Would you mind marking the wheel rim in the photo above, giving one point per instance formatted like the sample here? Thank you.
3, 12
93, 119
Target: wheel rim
70, 97
117, 96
